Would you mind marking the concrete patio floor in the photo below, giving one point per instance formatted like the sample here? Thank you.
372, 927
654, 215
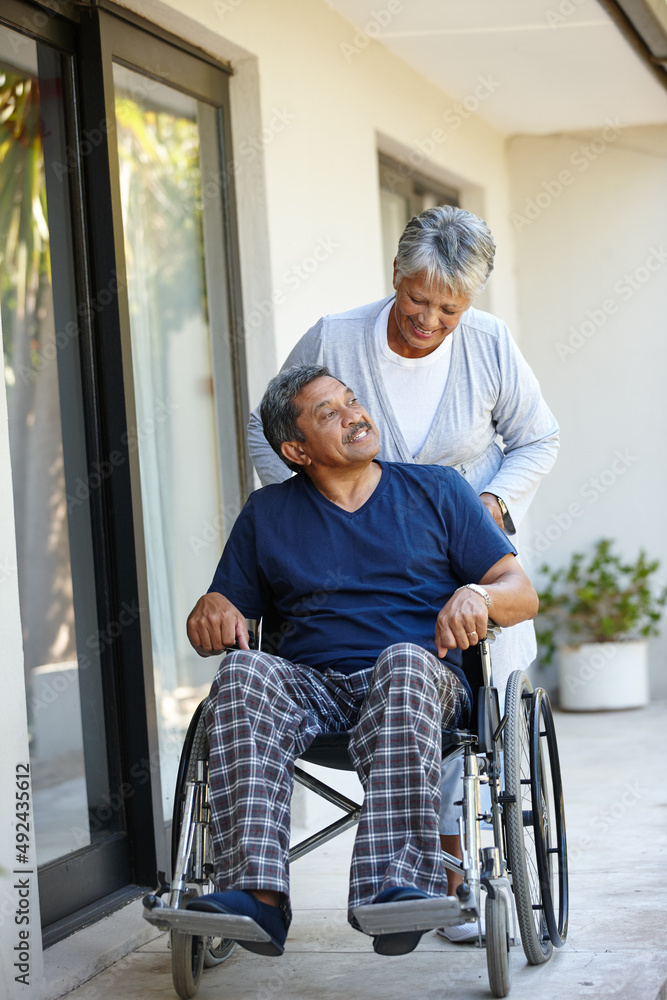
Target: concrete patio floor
616, 808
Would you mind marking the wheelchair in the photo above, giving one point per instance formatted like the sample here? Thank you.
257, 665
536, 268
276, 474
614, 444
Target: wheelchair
524, 870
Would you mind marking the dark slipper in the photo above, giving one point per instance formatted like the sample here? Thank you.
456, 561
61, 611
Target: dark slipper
406, 941
242, 903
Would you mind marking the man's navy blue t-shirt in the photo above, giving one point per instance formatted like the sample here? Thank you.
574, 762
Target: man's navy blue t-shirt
348, 584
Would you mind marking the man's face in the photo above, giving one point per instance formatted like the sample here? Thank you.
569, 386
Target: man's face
339, 433
422, 316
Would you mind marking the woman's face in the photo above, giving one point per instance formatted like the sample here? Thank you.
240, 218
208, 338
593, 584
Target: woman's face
422, 316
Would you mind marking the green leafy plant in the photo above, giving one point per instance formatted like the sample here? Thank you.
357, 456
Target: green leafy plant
598, 599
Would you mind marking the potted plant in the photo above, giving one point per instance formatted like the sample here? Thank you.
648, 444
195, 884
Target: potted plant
598, 613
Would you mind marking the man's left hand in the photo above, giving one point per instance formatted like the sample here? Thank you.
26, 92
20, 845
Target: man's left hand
462, 622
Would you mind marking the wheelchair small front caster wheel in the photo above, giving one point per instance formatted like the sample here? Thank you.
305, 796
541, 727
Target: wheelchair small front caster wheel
498, 945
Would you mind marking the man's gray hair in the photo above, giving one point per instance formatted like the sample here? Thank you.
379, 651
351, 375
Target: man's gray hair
279, 411
451, 247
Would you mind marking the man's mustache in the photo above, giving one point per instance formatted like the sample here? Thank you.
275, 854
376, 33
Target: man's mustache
355, 430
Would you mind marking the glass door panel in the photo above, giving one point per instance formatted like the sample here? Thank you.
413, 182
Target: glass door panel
49, 470
180, 351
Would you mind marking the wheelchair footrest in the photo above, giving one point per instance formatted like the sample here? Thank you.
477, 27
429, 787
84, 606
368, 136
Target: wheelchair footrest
413, 915
223, 925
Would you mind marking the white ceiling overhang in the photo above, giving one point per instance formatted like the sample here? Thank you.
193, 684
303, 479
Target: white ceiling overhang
556, 65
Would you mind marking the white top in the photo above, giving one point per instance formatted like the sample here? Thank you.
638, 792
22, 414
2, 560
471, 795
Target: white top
414, 385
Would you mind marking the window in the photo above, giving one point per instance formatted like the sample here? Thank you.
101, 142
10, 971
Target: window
404, 193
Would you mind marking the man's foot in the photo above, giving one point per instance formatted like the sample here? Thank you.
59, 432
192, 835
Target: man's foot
243, 903
406, 941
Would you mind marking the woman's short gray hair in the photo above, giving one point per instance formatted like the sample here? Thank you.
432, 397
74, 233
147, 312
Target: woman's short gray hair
451, 247
278, 410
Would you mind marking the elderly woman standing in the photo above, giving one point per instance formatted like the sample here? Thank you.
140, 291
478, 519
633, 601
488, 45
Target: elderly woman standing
443, 382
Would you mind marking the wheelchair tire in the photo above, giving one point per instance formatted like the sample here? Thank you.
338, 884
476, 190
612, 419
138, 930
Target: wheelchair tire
195, 748
218, 951
518, 816
190, 954
548, 807
498, 945
187, 963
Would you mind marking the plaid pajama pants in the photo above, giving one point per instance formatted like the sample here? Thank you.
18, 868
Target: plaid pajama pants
263, 712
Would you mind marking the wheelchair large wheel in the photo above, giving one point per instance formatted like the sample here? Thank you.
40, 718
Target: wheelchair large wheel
498, 945
549, 813
519, 821
195, 748
191, 954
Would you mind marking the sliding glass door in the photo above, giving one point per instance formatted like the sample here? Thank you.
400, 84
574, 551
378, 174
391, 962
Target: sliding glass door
168, 142
76, 828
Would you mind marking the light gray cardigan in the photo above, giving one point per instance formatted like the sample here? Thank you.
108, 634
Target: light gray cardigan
490, 392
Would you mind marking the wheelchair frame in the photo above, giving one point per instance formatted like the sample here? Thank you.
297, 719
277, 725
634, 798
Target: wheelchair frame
527, 862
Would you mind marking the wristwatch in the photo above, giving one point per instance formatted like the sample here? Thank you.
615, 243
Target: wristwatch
502, 505
478, 590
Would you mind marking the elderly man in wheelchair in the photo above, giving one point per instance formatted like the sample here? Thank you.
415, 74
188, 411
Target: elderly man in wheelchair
380, 575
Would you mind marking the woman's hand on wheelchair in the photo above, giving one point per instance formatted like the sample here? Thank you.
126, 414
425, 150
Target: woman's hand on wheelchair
215, 624
461, 622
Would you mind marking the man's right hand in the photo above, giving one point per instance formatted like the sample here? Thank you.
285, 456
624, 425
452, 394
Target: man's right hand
215, 623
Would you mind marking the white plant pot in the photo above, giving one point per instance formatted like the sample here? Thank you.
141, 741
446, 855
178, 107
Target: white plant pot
601, 676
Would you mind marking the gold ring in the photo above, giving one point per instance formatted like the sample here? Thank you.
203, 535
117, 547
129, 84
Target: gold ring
474, 632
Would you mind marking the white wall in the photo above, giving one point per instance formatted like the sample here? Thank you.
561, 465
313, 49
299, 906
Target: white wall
325, 113
594, 318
